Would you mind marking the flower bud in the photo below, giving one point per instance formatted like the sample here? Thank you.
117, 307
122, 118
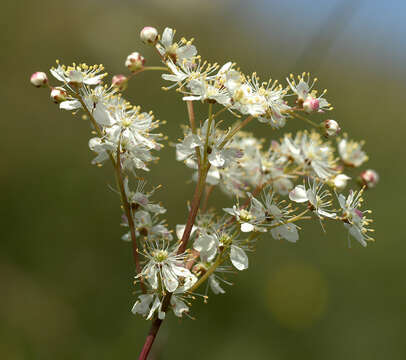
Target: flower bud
135, 62
369, 178
340, 181
311, 104
58, 95
331, 127
120, 81
39, 79
149, 35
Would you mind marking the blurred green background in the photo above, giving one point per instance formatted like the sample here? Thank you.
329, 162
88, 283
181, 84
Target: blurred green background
66, 277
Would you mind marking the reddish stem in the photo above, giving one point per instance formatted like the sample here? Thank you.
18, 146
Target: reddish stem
156, 324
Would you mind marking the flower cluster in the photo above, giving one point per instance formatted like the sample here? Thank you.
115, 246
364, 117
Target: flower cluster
271, 177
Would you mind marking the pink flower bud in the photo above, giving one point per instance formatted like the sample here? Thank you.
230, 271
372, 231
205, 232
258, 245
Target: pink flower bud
120, 81
39, 79
135, 62
58, 95
311, 104
369, 178
331, 127
149, 35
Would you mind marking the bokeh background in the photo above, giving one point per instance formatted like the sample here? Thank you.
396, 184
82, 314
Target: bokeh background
66, 277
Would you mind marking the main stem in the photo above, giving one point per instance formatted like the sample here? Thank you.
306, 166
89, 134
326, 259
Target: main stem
203, 169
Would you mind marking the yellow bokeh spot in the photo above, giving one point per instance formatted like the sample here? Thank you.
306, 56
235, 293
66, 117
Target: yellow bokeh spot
297, 295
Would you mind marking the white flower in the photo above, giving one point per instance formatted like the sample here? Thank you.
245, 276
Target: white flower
203, 90
150, 226
270, 215
351, 152
96, 101
164, 269
245, 97
310, 152
102, 148
139, 199
187, 147
354, 219
306, 96
175, 51
189, 70
134, 127
218, 157
77, 75
244, 217
208, 245
143, 306
319, 199
277, 109
149, 304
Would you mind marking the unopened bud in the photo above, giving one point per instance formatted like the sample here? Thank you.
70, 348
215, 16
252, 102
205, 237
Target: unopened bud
369, 178
311, 104
331, 127
135, 62
149, 35
120, 81
340, 181
58, 95
39, 79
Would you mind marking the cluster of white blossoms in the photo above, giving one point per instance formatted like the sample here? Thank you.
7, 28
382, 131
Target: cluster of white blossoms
270, 177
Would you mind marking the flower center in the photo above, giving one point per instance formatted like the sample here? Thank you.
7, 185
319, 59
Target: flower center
160, 255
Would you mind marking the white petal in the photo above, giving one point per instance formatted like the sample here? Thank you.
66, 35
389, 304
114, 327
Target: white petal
357, 234
155, 305
207, 246
215, 286
167, 37
213, 177
70, 105
180, 229
142, 304
170, 280
93, 80
187, 51
181, 271
285, 231
178, 306
57, 73
298, 194
239, 258
247, 227
192, 98
102, 116
327, 214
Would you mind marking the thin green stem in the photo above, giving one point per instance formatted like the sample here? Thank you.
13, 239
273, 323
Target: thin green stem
148, 68
120, 185
208, 130
220, 259
236, 129
312, 123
